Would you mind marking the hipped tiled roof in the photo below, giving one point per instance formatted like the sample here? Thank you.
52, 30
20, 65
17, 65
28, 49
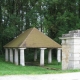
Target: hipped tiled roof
32, 38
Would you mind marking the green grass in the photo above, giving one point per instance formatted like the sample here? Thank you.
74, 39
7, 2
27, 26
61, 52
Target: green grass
7, 68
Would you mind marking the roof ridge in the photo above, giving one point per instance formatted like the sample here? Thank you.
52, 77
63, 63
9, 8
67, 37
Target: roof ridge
27, 36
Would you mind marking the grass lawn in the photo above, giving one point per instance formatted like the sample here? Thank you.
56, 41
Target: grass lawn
7, 68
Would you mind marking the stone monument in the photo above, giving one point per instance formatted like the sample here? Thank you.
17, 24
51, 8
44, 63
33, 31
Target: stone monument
71, 50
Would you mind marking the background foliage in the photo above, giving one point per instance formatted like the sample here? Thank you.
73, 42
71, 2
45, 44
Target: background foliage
54, 17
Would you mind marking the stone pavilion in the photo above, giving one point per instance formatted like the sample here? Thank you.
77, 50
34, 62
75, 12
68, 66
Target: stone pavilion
31, 38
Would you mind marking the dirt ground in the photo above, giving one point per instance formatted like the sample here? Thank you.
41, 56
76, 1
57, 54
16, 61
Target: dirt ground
63, 76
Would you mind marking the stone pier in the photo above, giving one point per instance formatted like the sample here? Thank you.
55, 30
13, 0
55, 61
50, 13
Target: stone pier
16, 59
50, 56
71, 50
35, 55
59, 54
22, 57
42, 56
6, 54
11, 55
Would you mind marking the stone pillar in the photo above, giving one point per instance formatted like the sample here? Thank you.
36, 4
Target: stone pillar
16, 60
6, 54
59, 54
42, 56
22, 58
11, 55
74, 57
35, 55
71, 50
50, 56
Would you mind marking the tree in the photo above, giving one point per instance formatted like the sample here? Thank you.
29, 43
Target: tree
54, 17
63, 16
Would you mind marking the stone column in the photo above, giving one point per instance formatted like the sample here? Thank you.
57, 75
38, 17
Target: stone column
50, 56
6, 54
35, 55
59, 54
16, 56
22, 58
42, 56
11, 55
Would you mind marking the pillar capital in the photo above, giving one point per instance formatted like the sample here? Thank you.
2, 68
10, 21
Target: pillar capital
59, 48
6, 48
43, 48
22, 48
15, 48
10, 48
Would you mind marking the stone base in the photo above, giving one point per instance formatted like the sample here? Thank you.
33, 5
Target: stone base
74, 64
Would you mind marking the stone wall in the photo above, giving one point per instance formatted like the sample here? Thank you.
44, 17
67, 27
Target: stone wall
71, 50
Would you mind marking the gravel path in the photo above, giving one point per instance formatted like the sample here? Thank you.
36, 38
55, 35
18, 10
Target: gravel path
66, 76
